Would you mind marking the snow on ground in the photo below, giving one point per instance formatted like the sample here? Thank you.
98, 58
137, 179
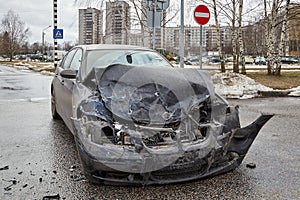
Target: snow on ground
249, 67
295, 92
44, 68
233, 85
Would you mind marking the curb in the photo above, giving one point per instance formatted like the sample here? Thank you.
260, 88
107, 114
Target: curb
274, 93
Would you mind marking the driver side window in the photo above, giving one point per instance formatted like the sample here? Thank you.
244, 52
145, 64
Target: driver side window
76, 62
68, 59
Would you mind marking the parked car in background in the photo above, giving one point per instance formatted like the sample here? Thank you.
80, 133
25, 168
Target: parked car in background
138, 120
248, 60
289, 60
214, 59
260, 60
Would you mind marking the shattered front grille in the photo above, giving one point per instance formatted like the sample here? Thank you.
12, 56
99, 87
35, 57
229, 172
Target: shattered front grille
188, 163
180, 170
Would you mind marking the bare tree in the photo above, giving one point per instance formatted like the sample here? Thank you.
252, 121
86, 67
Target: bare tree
240, 37
235, 46
276, 33
283, 38
16, 32
218, 38
272, 20
232, 13
140, 11
4, 43
36, 47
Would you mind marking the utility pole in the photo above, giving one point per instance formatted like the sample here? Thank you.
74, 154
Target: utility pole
181, 45
43, 42
154, 2
55, 27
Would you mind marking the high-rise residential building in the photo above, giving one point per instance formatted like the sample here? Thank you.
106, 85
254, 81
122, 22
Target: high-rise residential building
117, 29
224, 37
294, 31
90, 26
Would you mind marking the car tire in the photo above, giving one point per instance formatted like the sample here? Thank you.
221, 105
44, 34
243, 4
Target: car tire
54, 112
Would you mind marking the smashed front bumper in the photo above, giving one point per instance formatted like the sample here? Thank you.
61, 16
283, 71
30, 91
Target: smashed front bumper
145, 164
147, 126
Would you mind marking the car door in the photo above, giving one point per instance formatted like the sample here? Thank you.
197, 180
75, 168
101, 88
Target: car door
64, 86
69, 85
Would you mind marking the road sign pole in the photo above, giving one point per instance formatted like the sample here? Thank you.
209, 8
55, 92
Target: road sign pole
55, 27
200, 60
153, 33
201, 16
181, 46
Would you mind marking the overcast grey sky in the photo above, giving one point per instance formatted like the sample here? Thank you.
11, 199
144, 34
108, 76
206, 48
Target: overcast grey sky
38, 14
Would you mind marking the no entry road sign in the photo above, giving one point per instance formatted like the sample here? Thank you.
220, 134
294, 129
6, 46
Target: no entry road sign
201, 14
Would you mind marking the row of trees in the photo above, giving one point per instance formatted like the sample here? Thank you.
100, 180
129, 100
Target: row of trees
14, 38
276, 14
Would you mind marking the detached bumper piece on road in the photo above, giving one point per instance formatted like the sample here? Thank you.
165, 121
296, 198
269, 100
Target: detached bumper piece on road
145, 129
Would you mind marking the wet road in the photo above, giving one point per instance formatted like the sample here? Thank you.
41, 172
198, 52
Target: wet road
38, 156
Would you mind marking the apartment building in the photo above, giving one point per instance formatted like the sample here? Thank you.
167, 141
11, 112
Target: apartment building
90, 26
117, 29
191, 39
294, 32
255, 41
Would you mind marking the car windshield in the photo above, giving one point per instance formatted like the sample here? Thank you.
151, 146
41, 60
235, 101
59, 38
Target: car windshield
104, 58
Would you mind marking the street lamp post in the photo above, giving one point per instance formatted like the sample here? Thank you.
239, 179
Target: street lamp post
43, 42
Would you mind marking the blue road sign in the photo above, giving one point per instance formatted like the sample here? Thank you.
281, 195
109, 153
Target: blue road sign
58, 33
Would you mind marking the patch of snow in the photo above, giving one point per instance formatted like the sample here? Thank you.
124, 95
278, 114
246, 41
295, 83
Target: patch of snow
233, 85
21, 66
44, 72
295, 92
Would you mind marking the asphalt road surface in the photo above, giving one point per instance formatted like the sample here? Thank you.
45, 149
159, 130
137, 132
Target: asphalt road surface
38, 157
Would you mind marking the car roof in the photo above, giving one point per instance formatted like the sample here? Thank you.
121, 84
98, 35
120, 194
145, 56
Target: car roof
112, 47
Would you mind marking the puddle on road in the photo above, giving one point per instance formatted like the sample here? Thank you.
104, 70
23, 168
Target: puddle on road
33, 100
14, 88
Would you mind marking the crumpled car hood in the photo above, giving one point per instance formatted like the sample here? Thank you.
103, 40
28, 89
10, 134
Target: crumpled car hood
145, 95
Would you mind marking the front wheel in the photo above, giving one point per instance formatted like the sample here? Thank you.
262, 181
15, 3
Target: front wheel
54, 112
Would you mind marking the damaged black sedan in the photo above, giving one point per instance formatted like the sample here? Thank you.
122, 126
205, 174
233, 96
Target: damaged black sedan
138, 120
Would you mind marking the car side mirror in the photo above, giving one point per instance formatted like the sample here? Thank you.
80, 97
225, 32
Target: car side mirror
68, 73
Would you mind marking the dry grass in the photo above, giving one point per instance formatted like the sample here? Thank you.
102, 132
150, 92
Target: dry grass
286, 80
25, 62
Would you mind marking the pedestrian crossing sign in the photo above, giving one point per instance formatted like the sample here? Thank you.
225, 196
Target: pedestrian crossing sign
58, 33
